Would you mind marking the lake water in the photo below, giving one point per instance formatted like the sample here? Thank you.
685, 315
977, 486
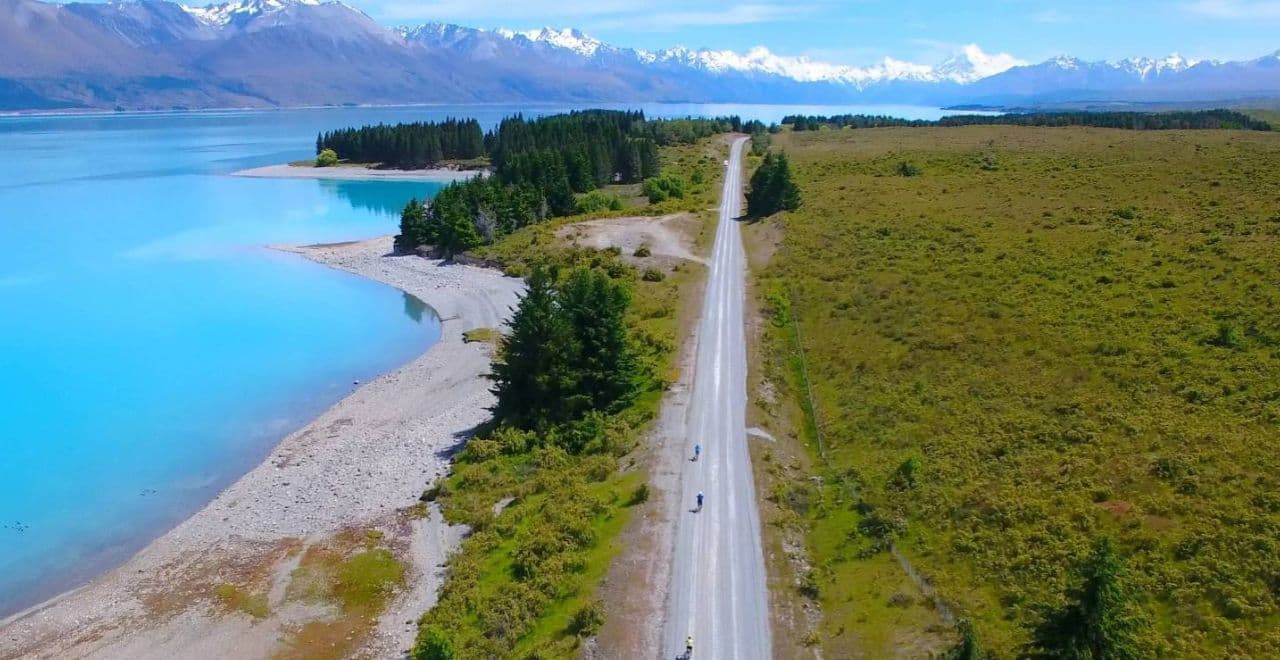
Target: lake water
151, 349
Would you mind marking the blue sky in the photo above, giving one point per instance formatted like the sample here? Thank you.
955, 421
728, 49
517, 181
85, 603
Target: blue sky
864, 31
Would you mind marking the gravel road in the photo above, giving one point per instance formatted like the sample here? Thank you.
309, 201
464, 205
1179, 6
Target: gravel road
718, 594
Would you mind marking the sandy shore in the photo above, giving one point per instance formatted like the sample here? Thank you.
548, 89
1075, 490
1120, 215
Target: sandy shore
352, 173
360, 465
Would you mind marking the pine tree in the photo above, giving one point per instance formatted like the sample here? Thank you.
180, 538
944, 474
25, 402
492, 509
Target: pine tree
772, 188
533, 377
413, 227
1101, 621
454, 228
607, 369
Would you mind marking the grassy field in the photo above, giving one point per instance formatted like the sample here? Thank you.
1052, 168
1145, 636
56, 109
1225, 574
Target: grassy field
546, 523
1037, 338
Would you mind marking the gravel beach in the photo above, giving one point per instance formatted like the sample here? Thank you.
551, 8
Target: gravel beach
359, 465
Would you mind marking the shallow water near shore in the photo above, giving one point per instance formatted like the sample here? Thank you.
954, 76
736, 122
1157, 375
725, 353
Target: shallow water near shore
151, 349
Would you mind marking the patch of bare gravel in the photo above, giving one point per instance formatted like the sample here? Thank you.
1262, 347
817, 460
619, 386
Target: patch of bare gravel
666, 236
357, 465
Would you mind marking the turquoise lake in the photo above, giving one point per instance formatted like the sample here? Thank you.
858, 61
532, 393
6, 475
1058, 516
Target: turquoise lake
151, 349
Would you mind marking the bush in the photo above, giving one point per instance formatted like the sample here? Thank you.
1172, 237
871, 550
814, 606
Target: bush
811, 586
905, 476
433, 644
642, 251
640, 495
653, 275
661, 188
907, 168
598, 201
327, 158
1227, 337
587, 620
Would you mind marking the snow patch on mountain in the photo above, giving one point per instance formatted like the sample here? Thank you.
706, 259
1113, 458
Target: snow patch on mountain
1146, 67
567, 38
969, 64
219, 15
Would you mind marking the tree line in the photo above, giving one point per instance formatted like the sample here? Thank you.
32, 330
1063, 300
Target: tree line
1138, 121
540, 166
406, 146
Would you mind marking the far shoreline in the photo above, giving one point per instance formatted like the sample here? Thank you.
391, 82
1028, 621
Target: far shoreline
357, 173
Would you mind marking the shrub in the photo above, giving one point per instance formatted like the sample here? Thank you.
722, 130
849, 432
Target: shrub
905, 476
597, 201
642, 251
327, 158
433, 644
653, 275
907, 168
1226, 337
587, 620
811, 586
967, 648
640, 495
661, 188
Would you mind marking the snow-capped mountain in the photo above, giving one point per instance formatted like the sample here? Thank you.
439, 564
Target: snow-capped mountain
970, 64
239, 10
160, 54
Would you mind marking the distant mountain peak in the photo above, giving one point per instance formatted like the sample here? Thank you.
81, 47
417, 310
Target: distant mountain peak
570, 39
237, 11
971, 63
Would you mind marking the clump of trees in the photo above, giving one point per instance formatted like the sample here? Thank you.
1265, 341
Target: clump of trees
1138, 121
760, 138
567, 353
407, 146
772, 188
540, 166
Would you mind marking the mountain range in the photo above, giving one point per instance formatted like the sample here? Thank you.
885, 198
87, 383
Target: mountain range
155, 54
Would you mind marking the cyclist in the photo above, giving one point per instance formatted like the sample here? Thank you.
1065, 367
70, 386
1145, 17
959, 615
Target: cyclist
688, 646
699, 500
697, 451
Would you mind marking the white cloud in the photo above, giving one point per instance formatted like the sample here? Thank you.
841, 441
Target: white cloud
1240, 10
989, 64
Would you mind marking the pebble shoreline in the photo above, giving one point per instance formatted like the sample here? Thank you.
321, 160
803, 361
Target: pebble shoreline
359, 463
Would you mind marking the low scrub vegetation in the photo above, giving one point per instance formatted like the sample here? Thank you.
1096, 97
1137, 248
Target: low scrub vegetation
1049, 383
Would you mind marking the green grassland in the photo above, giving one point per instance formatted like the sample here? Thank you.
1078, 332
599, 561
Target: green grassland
546, 523
1023, 340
